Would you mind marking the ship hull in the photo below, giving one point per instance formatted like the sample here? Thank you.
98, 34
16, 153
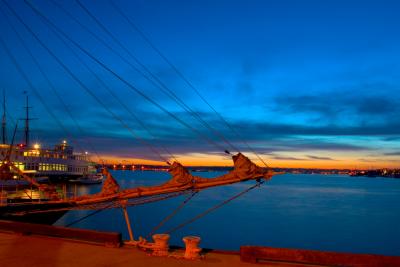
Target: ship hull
40, 213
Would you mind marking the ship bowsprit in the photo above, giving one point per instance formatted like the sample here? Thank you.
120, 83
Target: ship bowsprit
111, 196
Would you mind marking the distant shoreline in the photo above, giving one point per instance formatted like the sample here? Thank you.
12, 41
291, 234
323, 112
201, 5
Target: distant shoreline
392, 173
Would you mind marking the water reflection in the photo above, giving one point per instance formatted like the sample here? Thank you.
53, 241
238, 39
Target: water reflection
338, 213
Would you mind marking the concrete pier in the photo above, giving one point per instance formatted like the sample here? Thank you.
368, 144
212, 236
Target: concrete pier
31, 251
33, 245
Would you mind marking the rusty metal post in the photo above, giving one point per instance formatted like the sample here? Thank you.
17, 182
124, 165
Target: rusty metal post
128, 223
192, 251
160, 247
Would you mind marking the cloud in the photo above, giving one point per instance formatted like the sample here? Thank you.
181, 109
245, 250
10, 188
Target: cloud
366, 160
360, 104
391, 138
319, 158
307, 104
266, 138
377, 105
286, 158
373, 129
396, 153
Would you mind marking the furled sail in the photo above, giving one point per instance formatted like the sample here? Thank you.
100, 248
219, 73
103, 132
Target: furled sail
110, 185
244, 169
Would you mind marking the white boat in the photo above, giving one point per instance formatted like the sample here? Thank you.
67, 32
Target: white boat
60, 162
96, 178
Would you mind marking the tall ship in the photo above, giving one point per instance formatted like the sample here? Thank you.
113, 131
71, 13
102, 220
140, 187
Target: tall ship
29, 158
59, 163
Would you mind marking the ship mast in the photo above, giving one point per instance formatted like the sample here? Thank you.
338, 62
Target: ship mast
27, 122
27, 119
3, 123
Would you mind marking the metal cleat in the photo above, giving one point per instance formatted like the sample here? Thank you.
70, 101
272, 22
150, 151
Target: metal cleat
160, 246
192, 251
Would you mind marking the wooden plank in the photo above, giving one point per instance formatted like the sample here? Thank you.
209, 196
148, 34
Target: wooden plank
106, 238
256, 254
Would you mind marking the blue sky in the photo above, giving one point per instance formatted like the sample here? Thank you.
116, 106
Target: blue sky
305, 83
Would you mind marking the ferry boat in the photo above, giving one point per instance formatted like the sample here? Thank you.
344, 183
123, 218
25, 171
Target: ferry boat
23, 167
59, 163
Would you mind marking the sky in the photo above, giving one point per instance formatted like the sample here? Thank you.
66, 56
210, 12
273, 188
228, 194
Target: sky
310, 84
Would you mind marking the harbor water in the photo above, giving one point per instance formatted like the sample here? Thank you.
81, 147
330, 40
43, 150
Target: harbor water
321, 212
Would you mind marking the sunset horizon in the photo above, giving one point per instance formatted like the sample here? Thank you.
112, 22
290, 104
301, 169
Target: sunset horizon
204, 161
298, 89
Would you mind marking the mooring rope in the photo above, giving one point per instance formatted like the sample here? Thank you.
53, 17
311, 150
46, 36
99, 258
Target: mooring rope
172, 214
213, 208
108, 205
88, 215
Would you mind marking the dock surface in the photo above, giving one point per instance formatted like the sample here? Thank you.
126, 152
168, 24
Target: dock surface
30, 251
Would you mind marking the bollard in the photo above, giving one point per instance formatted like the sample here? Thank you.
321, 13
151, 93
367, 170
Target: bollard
160, 247
192, 251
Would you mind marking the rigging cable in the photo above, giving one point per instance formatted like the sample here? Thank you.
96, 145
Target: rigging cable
103, 65
90, 215
51, 86
31, 86
180, 74
162, 86
101, 81
213, 208
165, 91
81, 83
109, 204
172, 214
86, 216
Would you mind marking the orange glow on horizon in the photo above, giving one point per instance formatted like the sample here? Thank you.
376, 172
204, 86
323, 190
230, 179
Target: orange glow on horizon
219, 160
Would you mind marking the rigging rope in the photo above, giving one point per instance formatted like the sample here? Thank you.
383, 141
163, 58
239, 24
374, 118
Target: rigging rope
103, 65
116, 117
101, 81
172, 214
162, 86
31, 86
158, 85
112, 205
213, 208
52, 87
86, 216
180, 74
109, 204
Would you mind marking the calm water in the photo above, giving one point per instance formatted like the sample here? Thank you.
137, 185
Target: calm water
337, 213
